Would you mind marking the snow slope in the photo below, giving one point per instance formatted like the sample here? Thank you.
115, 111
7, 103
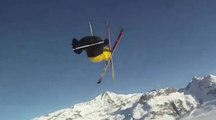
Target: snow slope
207, 111
194, 102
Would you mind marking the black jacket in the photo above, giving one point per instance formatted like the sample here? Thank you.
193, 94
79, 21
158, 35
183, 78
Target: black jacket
92, 51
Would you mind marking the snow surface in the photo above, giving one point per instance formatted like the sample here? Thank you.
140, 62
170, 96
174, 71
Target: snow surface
194, 102
207, 111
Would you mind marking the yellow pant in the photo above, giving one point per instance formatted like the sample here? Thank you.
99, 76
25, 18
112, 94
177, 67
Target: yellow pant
106, 56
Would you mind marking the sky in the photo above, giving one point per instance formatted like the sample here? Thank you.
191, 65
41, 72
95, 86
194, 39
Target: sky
165, 44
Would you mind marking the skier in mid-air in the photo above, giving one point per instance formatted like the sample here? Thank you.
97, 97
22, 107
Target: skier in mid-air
97, 49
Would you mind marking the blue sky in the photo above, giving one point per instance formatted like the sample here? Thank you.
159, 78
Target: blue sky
165, 44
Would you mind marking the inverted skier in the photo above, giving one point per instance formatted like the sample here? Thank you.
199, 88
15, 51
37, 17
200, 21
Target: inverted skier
97, 49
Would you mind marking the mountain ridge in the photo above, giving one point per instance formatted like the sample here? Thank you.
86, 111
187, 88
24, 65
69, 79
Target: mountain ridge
158, 104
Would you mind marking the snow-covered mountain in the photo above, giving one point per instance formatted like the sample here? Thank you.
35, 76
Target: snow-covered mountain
107, 105
161, 104
202, 88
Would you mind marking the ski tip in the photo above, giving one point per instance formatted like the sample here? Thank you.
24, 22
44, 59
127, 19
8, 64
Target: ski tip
107, 23
113, 77
122, 30
99, 82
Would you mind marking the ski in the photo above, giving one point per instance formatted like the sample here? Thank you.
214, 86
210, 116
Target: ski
110, 46
103, 73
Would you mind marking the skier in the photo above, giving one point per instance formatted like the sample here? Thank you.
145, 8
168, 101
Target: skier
97, 49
